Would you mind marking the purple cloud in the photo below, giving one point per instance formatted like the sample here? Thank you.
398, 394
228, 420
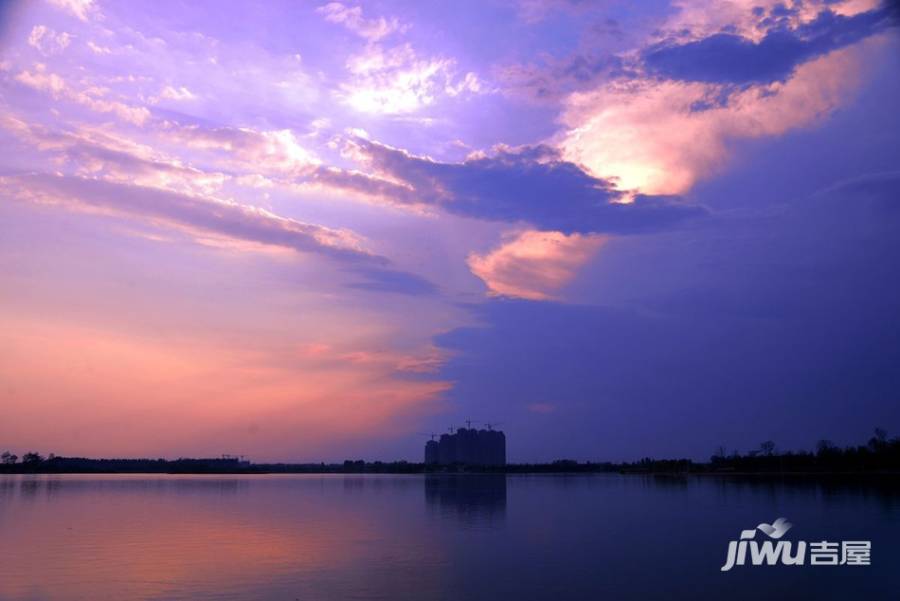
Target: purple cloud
529, 184
194, 213
729, 58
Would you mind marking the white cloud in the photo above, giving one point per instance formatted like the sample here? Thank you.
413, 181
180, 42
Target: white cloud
47, 41
97, 154
97, 49
78, 8
179, 93
41, 79
469, 83
276, 151
352, 18
240, 226
397, 80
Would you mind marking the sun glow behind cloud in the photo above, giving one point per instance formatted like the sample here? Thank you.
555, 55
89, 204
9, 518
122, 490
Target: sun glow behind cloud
660, 137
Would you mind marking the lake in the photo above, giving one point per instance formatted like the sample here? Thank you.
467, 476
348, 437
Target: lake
315, 537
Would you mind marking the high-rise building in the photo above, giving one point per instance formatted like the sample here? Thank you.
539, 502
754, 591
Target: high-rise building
468, 446
431, 452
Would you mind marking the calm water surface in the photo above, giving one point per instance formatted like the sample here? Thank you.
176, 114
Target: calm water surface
311, 537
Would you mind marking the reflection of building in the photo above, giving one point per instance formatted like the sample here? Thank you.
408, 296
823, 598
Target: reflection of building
468, 496
467, 446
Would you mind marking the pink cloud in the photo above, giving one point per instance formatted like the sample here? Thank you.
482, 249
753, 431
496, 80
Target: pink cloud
125, 393
275, 151
427, 360
48, 41
695, 19
649, 135
92, 98
78, 8
352, 18
201, 216
534, 265
98, 154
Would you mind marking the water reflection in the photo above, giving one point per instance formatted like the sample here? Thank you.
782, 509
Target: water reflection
34, 487
182, 537
870, 489
74, 538
471, 498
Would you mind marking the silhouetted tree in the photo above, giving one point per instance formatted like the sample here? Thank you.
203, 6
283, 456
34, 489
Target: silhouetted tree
719, 455
767, 448
824, 447
32, 458
8, 458
879, 441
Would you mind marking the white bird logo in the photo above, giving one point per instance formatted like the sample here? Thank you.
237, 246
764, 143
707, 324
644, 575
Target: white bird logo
777, 528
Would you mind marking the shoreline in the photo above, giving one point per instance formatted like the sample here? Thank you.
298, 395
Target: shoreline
475, 472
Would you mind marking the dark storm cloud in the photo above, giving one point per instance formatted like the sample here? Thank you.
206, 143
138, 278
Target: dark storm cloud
531, 184
733, 59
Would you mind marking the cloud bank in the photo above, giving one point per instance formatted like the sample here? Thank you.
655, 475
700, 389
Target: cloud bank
532, 184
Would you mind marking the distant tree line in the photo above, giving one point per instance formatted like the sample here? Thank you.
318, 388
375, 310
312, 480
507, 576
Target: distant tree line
879, 454
35, 462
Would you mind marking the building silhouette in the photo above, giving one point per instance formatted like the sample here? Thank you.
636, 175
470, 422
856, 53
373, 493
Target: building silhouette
467, 446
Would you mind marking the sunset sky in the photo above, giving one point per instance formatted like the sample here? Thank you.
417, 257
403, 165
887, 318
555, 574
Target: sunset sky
311, 231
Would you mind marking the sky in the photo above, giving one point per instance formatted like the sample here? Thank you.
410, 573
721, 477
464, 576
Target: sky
312, 231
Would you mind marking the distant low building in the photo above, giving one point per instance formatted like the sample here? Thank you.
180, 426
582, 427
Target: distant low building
467, 446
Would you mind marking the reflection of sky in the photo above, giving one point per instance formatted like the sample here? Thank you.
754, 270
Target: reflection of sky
306, 231
73, 538
191, 538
